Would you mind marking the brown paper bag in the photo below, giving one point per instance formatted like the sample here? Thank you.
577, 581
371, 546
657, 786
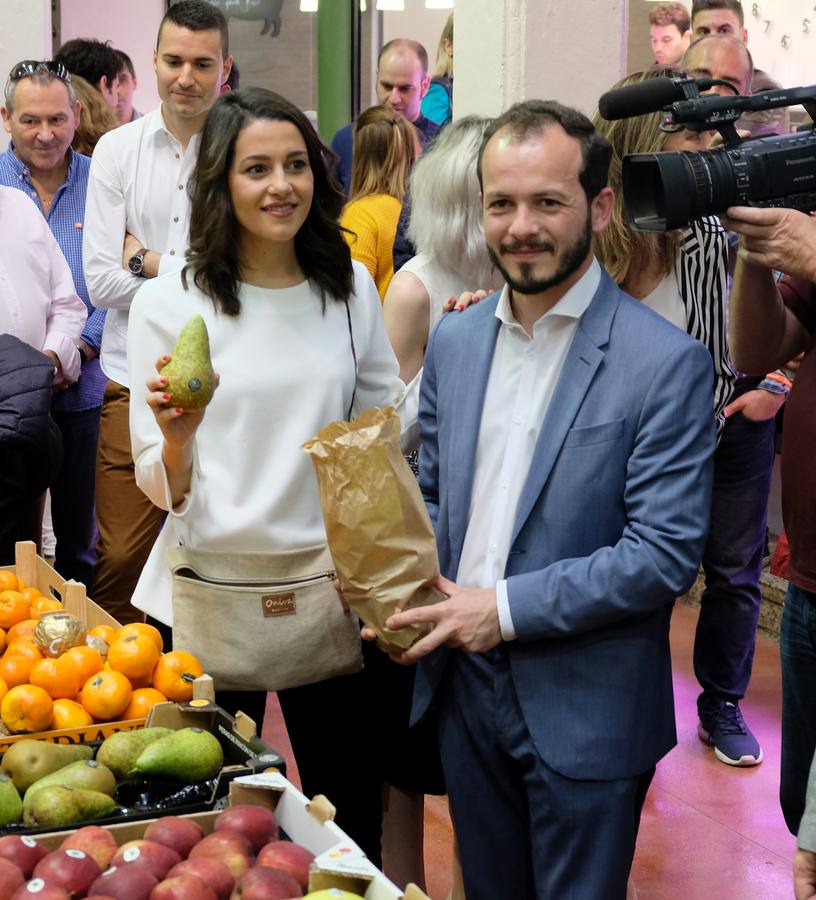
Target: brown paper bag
379, 532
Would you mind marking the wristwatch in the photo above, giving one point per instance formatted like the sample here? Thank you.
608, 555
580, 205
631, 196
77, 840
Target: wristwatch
136, 262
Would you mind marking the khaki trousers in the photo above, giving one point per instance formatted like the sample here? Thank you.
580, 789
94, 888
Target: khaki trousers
128, 522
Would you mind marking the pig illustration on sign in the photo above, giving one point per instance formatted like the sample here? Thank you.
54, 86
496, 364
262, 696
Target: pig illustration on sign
267, 10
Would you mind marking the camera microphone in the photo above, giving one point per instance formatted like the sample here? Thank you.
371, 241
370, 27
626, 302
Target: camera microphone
646, 97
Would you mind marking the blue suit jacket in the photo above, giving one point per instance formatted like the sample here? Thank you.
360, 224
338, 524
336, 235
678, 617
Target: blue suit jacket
609, 529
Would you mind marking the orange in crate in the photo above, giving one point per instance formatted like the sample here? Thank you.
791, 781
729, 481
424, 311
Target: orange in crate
14, 670
58, 678
3, 689
175, 673
31, 593
3, 640
107, 633
22, 646
24, 629
142, 701
8, 581
26, 708
86, 660
13, 608
40, 605
142, 628
69, 714
106, 695
134, 655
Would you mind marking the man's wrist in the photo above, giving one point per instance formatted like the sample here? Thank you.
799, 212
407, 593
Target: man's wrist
152, 261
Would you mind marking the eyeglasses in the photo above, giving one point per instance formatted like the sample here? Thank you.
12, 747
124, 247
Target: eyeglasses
29, 67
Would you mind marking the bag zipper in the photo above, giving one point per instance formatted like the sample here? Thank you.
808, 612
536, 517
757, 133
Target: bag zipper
187, 572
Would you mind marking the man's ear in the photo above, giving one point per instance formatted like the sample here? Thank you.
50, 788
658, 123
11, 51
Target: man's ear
602, 206
6, 119
424, 85
227, 69
77, 111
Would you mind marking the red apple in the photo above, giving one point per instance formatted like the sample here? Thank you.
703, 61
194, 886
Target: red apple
100, 897
96, 841
257, 823
72, 869
40, 889
160, 858
10, 879
287, 857
228, 847
23, 851
210, 871
176, 833
133, 881
263, 883
182, 887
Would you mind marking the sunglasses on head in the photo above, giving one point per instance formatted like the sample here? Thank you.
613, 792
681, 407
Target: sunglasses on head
29, 67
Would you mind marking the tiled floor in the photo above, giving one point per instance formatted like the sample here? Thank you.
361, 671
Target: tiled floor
708, 831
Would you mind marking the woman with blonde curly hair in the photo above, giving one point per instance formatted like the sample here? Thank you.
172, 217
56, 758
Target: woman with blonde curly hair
385, 148
95, 116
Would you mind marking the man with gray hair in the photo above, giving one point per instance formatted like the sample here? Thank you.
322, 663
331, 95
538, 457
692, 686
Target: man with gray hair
41, 113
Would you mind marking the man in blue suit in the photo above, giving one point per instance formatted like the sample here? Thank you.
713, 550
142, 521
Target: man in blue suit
567, 441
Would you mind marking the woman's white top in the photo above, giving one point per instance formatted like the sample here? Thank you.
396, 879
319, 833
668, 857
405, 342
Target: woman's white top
666, 300
441, 284
286, 371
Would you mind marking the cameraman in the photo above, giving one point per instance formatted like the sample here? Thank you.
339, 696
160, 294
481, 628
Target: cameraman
770, 324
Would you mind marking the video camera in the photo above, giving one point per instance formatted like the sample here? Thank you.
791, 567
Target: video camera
664, 191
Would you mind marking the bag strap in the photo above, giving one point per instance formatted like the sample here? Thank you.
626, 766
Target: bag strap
354, 357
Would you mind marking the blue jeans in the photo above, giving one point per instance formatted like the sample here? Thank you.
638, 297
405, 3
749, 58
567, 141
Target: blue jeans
797, 650
732, 560
73, 508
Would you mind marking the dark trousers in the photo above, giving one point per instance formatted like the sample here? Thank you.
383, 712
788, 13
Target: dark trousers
524, 830
128, 522
732, 561
331, 727
253, 703
72, 496
797, 650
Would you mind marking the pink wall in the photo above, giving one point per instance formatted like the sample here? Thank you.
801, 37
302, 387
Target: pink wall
130, 25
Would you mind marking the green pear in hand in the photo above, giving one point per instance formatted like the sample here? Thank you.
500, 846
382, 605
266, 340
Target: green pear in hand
191, 381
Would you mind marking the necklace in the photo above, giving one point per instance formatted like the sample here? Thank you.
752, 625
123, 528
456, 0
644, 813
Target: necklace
46, 203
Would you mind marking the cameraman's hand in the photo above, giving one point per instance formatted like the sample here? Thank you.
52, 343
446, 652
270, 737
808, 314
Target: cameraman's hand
783, 239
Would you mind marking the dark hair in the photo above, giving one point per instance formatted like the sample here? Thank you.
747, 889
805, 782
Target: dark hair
213, 257
127, 62
733, 6
419, 50
670, 14
533, 116
196, 15
90, 59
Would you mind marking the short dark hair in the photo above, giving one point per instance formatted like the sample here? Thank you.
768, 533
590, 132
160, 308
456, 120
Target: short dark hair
421, 52
670, 14
733, 6
127, 62
214, 257
197, 15
533, 116
90, 59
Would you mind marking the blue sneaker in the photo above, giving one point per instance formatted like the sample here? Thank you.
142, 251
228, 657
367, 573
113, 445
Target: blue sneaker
722, 725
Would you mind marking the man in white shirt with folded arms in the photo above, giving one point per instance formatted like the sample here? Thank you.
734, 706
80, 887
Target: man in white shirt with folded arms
136, 226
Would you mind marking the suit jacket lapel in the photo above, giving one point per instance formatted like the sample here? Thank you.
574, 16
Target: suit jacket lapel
583, 358
472, 373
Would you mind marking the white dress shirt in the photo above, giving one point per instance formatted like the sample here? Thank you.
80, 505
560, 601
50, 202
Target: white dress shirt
523, 377
286, 370
138, 184
38, 301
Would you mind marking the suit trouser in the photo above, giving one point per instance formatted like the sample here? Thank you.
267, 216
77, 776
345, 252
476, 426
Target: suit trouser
732, 559
128, 522
524, 830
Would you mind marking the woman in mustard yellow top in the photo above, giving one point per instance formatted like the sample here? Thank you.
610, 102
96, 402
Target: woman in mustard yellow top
385, 147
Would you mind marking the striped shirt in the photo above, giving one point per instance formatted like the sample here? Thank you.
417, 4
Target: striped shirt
701, 269
66, 220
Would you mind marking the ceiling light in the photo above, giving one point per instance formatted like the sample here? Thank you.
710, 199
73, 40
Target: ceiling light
308, 5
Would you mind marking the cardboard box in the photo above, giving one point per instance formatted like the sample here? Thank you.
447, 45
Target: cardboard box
339, 862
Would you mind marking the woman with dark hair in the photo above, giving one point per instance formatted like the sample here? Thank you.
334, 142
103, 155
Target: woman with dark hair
297, 337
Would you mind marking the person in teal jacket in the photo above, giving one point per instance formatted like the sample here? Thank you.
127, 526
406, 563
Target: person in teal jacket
437, 104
